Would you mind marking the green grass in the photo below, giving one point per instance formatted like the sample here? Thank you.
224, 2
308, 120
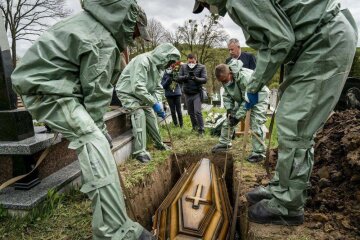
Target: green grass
68, 216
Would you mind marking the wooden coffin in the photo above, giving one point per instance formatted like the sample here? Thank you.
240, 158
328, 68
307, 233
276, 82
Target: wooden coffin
197, 207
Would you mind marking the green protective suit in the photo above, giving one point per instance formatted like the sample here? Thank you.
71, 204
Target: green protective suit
233, 98
64, 80
317, 43
139, 88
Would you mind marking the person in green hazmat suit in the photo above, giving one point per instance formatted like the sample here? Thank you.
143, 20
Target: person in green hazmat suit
316, 41
65, 80
140, 91
235, 79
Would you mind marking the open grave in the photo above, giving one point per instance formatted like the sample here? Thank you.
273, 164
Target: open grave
146, 196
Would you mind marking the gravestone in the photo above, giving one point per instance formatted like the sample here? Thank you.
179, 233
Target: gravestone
15, 124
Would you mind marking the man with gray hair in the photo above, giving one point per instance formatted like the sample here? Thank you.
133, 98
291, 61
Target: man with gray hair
248, 59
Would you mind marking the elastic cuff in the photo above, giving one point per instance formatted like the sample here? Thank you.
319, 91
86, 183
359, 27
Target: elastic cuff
298, 185
295, 142
128, 226
99, 183
82, 140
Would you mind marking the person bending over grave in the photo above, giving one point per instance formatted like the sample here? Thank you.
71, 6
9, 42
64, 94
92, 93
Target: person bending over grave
235, 79
140, 91
65, 80
316, 42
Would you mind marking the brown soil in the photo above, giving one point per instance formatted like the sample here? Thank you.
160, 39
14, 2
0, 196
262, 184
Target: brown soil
335, 192
333, 208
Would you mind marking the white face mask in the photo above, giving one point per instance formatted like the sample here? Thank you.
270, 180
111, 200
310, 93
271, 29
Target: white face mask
191, 65
168, 70
228, 83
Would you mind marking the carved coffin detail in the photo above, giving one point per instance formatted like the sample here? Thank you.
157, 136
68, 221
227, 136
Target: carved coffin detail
197, 207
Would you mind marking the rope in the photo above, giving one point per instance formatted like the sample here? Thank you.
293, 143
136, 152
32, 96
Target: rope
173, 146
38, 162
267, 159
246, 131
227, 148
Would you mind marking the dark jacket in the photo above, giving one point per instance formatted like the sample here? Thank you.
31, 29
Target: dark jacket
166, 82
248, 60
192, 79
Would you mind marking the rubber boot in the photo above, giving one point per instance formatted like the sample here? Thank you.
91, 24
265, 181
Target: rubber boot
257, 195
260, 213
143, 158
146, 235
220, 148
255, 158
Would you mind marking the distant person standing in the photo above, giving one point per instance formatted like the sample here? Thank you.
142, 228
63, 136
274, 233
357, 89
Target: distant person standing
173, 94
192, 76
248, 59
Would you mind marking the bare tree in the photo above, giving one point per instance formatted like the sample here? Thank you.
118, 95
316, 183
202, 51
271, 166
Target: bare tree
157, 33
212, 35
175, 39
188, 34
26, 18
201, 38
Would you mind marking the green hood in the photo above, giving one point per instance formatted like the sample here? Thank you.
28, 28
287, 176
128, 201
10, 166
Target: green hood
164, 53
235, 66
117, 16
215, 6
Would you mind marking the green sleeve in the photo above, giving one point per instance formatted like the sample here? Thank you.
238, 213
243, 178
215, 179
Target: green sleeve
139, 79
229, 103
96, 72
241, 112
266, 29
159, 92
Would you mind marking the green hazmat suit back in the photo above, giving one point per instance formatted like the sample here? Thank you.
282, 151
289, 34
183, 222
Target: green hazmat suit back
279, 35
316, 41
79, 56
117, 16
140, 82
65, 81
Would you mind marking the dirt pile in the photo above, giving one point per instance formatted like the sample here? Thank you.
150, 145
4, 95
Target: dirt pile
334, 198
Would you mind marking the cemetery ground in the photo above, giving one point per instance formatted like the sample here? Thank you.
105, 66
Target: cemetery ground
332, 212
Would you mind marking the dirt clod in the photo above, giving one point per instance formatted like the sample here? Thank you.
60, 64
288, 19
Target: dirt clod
323, 172
320, 217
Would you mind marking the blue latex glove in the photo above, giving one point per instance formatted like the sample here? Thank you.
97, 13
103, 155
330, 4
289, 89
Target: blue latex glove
159, 111
252, 99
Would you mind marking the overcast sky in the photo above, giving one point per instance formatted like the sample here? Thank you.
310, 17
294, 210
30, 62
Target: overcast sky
173, 13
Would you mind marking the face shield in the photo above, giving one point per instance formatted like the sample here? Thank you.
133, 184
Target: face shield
141, 26
214, 9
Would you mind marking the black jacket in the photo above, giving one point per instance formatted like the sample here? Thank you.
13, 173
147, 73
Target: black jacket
248, 60
166, 81
192, 79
